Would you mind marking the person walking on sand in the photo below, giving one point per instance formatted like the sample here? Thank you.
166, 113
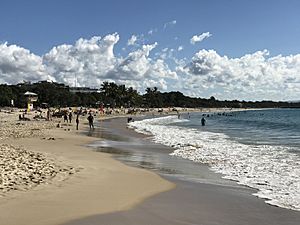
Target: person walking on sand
77, 121
70, 117
65, 117
91, 121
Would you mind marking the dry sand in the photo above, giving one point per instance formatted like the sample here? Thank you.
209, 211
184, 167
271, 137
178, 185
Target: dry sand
94, 183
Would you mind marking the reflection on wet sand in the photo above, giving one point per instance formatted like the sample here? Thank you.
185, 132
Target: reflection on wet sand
209, 199
139, 151
145, 161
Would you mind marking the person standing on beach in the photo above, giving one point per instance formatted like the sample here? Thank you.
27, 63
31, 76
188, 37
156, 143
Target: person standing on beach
91, 121
77, 121
65, 117
48, 114
70, 117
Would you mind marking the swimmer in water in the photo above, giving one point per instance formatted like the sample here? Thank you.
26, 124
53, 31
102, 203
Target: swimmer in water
203, 121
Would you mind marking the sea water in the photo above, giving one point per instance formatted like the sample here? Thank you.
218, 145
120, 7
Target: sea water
256, 148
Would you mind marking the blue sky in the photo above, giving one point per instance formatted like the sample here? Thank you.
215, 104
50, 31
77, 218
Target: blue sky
236, 27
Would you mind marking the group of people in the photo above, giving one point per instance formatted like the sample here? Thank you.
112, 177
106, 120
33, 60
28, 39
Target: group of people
203, 121
68, 118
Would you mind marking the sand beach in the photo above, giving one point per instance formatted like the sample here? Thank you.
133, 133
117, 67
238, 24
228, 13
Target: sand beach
49, 177
55, 175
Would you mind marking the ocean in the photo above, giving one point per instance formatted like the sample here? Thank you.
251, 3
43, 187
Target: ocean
257, 148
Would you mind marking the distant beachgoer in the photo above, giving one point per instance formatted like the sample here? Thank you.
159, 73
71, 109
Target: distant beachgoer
203, 121
70, 117
91, 121
77, 122
48, 115
65, 117
189, 115
178, 114
130, 119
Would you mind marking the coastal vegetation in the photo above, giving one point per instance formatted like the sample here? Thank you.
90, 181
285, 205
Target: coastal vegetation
114, 95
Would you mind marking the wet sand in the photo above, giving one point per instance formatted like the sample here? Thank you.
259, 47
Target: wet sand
200, 196
196, 203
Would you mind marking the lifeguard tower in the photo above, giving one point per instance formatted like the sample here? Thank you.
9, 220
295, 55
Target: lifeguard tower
31, 98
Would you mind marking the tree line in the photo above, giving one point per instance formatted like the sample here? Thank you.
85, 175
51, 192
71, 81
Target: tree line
113, 95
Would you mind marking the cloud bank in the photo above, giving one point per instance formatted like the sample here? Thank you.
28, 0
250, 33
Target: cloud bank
89, 62
252, 76
18, 64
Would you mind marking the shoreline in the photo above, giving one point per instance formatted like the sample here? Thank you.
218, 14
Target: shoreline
100, 184
161, 197
190, 202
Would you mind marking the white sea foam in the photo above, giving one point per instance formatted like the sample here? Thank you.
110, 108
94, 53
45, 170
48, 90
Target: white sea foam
272, 170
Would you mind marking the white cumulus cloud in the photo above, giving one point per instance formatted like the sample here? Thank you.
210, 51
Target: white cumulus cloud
93, 61
199, 38
18, 64
88, 60
252, 76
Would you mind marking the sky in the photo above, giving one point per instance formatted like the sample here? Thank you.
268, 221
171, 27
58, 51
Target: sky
229, 49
